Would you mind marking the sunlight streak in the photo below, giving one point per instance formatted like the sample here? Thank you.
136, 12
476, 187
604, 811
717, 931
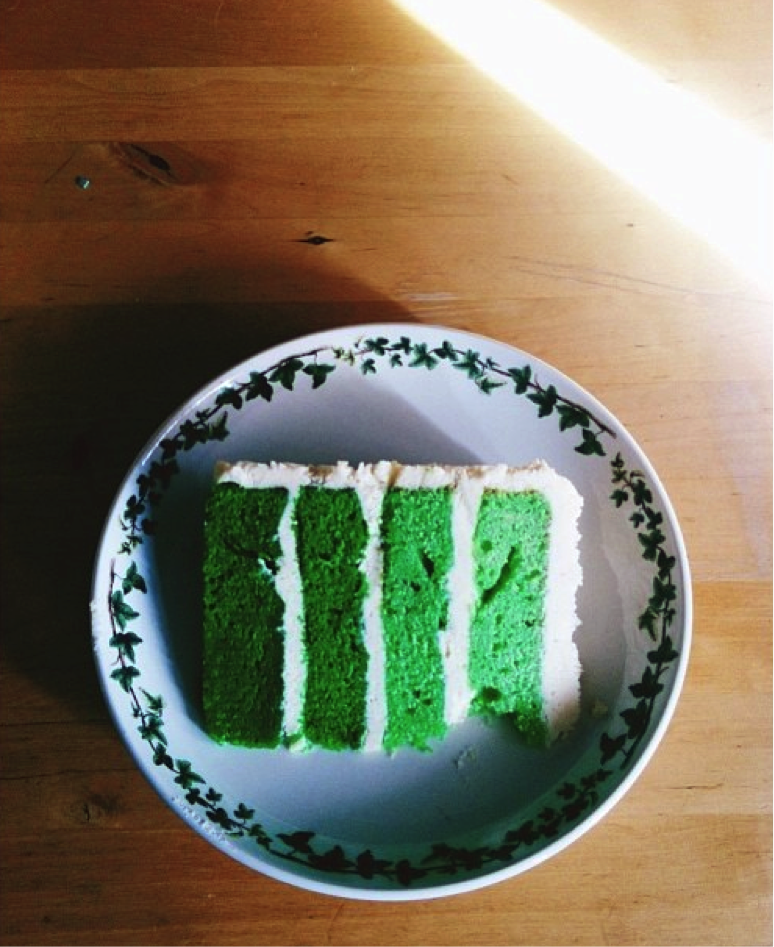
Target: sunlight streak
706, 170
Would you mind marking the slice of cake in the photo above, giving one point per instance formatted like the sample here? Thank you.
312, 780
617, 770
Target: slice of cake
374, 607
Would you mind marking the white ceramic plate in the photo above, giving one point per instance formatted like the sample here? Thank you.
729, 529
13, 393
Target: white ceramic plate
481, 806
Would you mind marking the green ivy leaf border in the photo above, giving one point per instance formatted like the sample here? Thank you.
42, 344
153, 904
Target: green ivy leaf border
617, 747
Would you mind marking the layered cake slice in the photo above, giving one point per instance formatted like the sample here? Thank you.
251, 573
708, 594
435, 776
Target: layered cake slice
374, 607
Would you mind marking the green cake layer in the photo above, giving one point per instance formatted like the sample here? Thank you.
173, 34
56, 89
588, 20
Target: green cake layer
375, 607
417, 542
506, 634
331, 537
243, 616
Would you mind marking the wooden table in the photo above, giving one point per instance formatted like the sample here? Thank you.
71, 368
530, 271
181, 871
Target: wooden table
185, 184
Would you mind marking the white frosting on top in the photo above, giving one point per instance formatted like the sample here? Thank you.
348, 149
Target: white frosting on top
561, 667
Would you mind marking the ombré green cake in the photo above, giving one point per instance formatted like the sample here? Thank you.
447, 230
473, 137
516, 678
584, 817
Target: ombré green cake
374, 607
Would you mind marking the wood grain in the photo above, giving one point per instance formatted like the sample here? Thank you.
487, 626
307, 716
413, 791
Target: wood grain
219, 138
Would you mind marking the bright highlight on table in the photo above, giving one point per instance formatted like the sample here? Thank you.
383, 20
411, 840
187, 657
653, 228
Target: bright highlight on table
704, 169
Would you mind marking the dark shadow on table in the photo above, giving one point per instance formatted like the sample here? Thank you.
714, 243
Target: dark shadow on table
83, 389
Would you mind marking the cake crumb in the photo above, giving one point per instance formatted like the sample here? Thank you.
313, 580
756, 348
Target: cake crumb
462, 759
599, 709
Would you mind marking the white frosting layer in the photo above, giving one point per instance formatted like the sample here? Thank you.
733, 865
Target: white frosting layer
561, 667
371, 485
